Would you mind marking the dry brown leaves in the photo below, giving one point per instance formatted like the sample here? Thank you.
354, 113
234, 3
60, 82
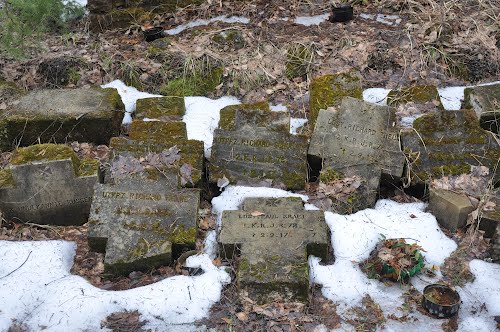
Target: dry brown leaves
124, 321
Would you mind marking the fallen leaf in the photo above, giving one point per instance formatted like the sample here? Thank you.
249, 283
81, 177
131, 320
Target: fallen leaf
257, 213
243, 316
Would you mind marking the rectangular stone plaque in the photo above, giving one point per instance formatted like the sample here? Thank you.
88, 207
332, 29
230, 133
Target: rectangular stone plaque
138, 224
274, 237
253, 146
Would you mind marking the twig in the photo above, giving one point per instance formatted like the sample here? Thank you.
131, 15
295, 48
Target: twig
5, 276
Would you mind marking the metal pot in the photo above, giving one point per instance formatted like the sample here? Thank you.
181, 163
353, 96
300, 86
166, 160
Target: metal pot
433, 298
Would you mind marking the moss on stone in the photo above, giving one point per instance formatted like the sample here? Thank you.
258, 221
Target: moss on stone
329, 175
6, 178
155, 108
328, 90
42, 152
157, 130
232, 38
416, 94
228, 114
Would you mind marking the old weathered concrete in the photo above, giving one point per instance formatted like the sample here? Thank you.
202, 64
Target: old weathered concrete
485, 101
253, 146
140, 224
86, 115
164, 108
274, 237
450, 209
490, 216
48, 184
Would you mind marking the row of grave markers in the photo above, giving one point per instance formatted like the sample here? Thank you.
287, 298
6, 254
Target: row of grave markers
143, 216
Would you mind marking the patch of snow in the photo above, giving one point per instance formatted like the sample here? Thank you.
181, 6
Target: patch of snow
278, 108
129, 96
453, 96
201, 22
311, 20
407, 121
202, 118
391, 20
355, 236
376, 96
37, 288
295, 124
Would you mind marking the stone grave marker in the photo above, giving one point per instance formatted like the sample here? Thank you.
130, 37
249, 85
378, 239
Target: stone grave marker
490, 215
485, 101
140, 225
169, 108
274, 237
253, 146
85, 115
48, 184
448, 143
358, 139
156, 137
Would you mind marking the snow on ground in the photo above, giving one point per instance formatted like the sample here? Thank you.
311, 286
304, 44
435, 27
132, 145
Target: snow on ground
452, 97
376, 96
311, 20
295, 124
202, 118
129, 97
201, 22
37, 289
382, 18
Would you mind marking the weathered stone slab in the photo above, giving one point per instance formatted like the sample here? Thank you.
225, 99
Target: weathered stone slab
170, 108
448, 143
48, 184
253, 145
485, 100
357, 139
328, 91
450, 209
490, 215
141, 225
415, 94
85, 115
274, 237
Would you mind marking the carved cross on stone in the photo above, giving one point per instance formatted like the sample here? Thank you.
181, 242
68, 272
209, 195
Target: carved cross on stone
142, 224
274, 237
47, 192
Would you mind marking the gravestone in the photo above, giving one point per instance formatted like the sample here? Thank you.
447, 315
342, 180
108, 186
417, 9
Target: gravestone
85, 115
253, 146
274, 237
170, 108
141, 225
450, 208
490, 215
328, 91
147, 137
485, 101
48, 184
448, 143
415, 94
358, 139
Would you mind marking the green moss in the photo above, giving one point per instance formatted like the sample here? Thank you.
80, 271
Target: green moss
195, 84
6, 178
328, 90
416, 94
155, 108
229, 38
157, 130
299, 61
329, 175
124, 16
40, 152
10, 89
175, 234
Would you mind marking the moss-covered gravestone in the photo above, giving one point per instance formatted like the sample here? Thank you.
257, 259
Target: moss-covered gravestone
48, 184
357, 139
328, 90
415, 94
155, 137
274, 237
485, 101
86, 115
253, 146
170, 108
140, 224
448, 143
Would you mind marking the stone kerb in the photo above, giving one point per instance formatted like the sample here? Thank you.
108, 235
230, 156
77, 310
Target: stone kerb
273, 237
